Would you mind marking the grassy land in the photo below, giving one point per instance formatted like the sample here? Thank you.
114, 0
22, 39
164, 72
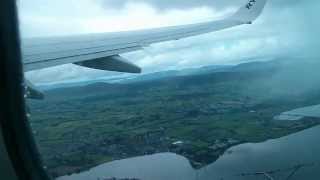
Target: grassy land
77, 128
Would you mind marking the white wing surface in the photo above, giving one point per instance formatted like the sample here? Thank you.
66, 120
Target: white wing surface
101, 51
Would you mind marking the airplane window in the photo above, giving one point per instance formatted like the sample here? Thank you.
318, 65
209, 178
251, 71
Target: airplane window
154, 90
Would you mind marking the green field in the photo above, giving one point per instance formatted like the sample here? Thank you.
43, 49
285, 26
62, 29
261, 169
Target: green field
80, 127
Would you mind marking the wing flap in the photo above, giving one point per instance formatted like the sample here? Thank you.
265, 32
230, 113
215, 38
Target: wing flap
31, 91
111, 63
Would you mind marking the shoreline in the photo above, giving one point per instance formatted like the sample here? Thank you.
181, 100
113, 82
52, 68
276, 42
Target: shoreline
198, 158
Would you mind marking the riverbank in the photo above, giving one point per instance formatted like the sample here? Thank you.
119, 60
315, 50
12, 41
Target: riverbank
198, 153
235, 164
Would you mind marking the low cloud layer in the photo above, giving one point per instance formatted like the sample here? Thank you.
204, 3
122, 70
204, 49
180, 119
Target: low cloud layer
286, 28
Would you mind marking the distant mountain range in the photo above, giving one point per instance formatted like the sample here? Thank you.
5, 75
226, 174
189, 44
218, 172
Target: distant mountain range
256, 66
143, 77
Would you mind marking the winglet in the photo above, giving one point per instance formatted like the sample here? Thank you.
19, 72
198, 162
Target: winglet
250, 12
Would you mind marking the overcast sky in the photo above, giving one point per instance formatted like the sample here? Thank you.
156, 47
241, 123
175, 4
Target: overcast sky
286, 28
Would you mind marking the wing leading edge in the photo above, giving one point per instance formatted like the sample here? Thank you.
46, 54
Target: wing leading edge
91, 50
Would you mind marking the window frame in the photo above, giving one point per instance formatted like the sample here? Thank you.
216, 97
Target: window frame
16, 132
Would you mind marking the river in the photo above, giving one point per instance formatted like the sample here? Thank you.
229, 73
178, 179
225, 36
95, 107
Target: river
299, 148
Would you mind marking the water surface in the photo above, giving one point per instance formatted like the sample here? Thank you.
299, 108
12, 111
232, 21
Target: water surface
300, 148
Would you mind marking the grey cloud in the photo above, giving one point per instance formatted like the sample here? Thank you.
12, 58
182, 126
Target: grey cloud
185, 4
175, 4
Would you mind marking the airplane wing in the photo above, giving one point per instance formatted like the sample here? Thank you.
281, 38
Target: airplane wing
101, 51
